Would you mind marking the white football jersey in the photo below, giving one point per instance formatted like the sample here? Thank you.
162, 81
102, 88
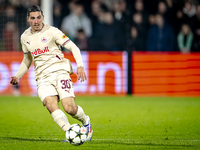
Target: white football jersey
44, 45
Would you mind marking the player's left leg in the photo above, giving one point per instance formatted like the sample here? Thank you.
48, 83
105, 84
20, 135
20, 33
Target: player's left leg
77, 112
74, 110
65, 88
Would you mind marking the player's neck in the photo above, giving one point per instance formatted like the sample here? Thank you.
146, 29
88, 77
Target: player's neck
33, 31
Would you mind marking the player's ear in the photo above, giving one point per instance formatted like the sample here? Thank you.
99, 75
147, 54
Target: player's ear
27, 18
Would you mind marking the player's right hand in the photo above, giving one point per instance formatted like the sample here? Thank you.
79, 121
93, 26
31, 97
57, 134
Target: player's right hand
14, 80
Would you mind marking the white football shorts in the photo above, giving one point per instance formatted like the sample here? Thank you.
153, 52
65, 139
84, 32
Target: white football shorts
57, 83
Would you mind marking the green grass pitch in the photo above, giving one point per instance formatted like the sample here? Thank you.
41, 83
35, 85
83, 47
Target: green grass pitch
118, 122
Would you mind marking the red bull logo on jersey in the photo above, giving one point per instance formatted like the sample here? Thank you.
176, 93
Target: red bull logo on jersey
40, 51
44, 39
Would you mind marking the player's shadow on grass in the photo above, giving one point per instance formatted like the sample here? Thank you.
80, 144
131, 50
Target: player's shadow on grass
109, 142
142, 143
31, 140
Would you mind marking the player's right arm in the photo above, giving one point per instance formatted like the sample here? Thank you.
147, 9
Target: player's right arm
25, 65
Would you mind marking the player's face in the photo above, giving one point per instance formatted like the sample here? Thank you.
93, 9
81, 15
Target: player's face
35, 19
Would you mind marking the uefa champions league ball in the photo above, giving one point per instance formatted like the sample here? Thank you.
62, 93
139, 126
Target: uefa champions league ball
76, 134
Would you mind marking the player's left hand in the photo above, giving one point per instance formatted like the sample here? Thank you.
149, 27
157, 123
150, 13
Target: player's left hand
81, 74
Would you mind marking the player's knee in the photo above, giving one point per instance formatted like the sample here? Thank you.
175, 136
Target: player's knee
71, 110
51, 104
69, 106
51, 107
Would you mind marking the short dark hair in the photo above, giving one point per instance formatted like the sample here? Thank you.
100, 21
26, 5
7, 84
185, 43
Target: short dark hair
34, 8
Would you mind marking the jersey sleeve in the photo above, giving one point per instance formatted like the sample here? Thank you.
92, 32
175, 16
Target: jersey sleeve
25, 65
76, 53
63, 40
24, 49
60, 37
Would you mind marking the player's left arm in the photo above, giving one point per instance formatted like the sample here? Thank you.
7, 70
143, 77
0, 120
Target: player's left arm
77, 55
81, 74
63, 40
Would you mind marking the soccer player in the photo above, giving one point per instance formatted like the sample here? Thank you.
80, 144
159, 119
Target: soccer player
41, 43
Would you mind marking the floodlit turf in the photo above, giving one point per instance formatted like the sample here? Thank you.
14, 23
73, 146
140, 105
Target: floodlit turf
118, 123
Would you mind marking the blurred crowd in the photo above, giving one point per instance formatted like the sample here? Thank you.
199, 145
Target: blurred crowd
114, 25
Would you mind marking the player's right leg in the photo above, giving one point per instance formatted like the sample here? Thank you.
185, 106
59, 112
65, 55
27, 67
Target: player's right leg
49, 98
51, 103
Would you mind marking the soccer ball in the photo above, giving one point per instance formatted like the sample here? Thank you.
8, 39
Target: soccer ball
76, 134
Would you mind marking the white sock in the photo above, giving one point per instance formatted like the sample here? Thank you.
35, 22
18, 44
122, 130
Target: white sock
61, 119
80, 115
